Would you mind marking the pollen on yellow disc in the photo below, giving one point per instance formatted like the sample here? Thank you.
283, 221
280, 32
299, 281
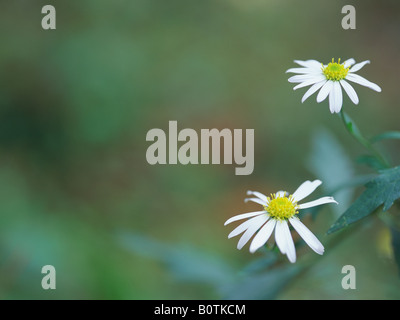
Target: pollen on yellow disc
281, 208
335, 71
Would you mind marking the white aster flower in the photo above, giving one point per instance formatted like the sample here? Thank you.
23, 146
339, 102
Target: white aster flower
279, 209
329, 80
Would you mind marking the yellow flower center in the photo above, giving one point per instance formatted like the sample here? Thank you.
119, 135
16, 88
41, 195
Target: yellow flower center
335, 71
281, 208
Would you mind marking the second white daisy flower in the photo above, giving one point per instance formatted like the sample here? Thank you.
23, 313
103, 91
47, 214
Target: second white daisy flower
279, 210
329, 80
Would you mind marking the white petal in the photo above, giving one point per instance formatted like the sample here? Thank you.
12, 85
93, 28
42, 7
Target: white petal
325, 90
304, 70
318, 78
303, 77
364, 82
262, 236
309, 64
331, 103
313, 89
350, 91
349, 62
305, 189
256, 200
251, 231
335, 98
307, 235
284, 240
317, 202
243, 216
290, 249
245, 225
258, 195
358, 66
280, 237
338, 96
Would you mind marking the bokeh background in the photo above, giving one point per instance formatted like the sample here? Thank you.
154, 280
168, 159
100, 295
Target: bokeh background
76, 191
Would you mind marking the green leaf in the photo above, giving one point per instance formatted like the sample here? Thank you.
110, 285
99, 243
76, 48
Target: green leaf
386, 136
384, 189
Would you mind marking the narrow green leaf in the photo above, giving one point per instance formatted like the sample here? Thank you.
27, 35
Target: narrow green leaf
386, 136
381, 190
353, 129
356, 133
371, 162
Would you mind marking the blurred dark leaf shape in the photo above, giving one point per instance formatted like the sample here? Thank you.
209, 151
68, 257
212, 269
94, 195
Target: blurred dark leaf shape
192, 265
396, 246
383, 189
330, 163
183, 262
266, 285
260, 264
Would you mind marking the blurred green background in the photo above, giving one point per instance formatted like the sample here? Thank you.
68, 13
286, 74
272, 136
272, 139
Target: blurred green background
76, 191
